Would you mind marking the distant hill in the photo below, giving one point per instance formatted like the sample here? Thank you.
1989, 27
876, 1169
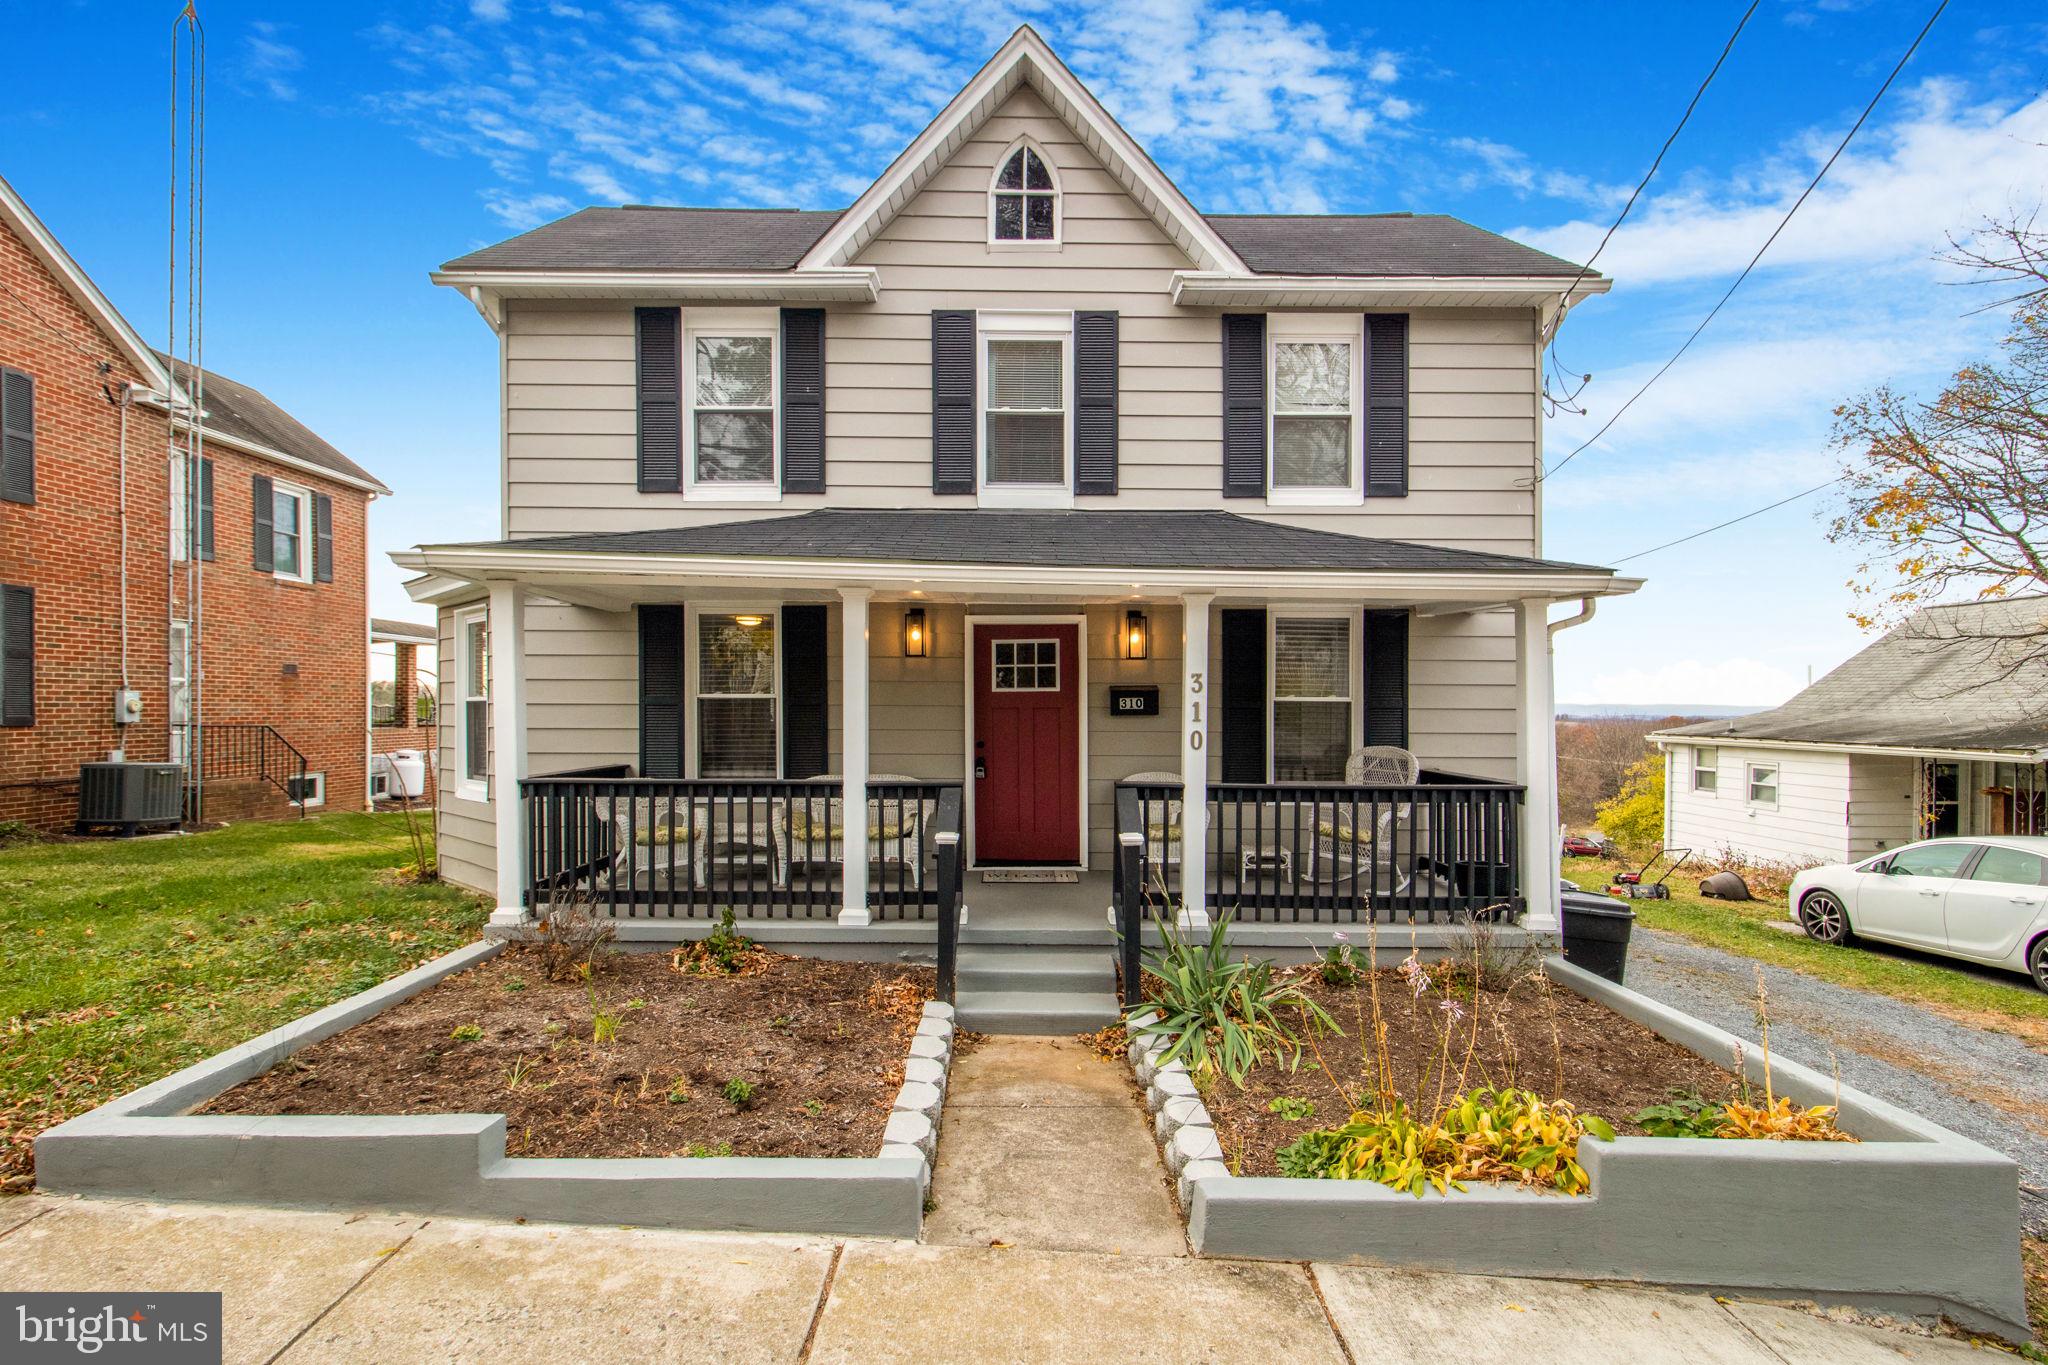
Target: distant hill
1649, 711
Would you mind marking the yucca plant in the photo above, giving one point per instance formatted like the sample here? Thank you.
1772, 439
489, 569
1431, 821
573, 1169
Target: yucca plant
1223, 1014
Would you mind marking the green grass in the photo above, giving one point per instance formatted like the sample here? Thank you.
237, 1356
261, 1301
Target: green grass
1744, 927
122, 961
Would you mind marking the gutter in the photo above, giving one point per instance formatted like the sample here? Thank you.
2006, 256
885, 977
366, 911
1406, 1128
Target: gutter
1218, 289
487, 289
1666, 739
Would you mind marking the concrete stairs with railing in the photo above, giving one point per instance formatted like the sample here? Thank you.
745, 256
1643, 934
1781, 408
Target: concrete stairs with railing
1040, 988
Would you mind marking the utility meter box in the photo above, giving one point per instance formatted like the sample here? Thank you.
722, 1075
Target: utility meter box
128, 706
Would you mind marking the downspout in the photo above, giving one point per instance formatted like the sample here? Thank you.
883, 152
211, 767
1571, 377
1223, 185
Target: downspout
1579, 618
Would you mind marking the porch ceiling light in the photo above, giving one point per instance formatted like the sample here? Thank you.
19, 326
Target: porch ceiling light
1137, 640
749, 621
916, 635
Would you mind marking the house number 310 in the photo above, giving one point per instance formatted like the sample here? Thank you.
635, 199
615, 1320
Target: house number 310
1195, 725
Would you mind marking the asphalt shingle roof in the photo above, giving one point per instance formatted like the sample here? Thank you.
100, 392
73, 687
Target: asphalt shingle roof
235, 410
1147, 540
1971, 676
643, 237
411, 630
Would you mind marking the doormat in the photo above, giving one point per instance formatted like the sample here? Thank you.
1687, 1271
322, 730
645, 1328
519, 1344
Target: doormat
1031, 874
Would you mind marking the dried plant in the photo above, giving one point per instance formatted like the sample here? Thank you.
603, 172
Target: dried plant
574, 939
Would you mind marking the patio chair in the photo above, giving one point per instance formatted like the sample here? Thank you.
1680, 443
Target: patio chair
1162, 822
812, 833
1344, 846
655, 837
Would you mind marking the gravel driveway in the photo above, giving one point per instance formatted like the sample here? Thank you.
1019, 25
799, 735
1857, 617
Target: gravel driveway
1992, 1087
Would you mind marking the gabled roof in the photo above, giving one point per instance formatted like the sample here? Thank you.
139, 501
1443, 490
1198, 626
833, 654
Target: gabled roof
247, 418
659, 237
986, 536
1972, 676
16, 214
1427, 244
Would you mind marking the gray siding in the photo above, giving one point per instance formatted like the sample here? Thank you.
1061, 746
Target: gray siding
1810, 823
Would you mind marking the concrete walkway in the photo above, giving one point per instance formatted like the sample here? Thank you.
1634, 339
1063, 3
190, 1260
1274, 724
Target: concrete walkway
302, 1287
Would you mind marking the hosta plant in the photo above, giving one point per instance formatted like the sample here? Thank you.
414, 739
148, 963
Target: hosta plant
1486, 1134
1221, 1014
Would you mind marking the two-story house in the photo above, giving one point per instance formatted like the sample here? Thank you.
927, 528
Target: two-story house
183, 565
1024, 477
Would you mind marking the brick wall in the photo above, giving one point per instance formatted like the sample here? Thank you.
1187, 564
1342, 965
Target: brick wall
292, 656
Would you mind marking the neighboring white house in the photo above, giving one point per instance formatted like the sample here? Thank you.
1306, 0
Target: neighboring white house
1939, 728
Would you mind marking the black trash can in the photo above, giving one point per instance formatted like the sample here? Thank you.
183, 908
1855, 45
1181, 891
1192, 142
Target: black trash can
1596, 931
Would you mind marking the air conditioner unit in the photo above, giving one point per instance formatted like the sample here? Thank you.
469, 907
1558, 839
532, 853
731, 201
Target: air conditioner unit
130, 797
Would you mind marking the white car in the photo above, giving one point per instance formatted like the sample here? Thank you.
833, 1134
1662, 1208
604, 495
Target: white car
1984, 899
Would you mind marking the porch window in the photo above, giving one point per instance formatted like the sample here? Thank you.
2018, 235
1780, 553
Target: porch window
730, 354
1763, 784
473, 681
1316, 385
1706, 768
1312, 690
1025, 448
737, 701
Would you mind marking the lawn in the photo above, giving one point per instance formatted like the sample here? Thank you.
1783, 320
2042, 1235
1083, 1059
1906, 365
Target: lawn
124, 960
1973, 995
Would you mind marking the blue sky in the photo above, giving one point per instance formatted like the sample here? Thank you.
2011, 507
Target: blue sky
353, 147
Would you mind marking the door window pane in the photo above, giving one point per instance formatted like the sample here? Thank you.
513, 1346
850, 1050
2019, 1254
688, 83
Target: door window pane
1931, 860
1026, 666
2010, 865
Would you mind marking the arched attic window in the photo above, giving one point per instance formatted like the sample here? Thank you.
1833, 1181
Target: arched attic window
1024, 197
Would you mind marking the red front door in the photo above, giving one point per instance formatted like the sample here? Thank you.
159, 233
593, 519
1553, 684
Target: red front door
1027, 744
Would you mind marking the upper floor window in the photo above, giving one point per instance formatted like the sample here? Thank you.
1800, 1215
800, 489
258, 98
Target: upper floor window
1317, 390
729, 379
1026, 368
1024, 199
291, 532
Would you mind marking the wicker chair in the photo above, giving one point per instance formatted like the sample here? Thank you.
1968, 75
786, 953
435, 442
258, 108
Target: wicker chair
1345, 848
659, 838
1162, 822
813, 833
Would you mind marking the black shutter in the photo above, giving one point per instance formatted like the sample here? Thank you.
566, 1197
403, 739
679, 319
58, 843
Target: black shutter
323, 538
1386, 405
1095, 381
17, 655
17, 436
804, 699
658, 360
262, 525
803, 400
661, 691
205, 508
952, 402
1244, 406
1241, 695
1386, 678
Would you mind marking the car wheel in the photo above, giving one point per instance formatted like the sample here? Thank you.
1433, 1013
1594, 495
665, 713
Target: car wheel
1823, 918
2037, 961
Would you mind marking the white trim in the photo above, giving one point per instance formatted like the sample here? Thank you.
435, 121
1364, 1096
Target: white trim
732, 322
1212, 289
855, 740
509, 739
1027, 143
319, 781
1025, 57
1665, 739
488, 289
1536, 766
214, 436
469, 788
975, 622
1349, 329
1355, 641
1197, 719
1024, 325
306, 533
693, 613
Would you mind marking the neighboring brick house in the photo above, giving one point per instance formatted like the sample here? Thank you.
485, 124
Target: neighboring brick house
260, 638
402, 709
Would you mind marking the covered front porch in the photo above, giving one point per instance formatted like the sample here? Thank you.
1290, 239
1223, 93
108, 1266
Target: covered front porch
1032, 712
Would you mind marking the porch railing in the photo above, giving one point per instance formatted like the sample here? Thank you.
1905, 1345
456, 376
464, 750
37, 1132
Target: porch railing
645, 847
1445, 848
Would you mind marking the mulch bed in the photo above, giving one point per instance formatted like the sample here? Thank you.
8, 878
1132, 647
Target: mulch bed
821, 1043
1612, 1066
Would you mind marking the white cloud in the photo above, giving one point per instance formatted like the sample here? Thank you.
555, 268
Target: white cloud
490, 11
527, 210
269, 62
1691, 682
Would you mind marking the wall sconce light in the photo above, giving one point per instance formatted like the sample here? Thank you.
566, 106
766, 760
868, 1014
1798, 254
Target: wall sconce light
916, 635
1137, 635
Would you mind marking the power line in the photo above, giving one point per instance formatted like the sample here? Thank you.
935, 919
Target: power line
1733, 520
1650, 174
1782, 224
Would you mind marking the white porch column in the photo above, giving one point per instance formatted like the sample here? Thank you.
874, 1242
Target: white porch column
1537, 768
507, 627
1197, 698
853, 747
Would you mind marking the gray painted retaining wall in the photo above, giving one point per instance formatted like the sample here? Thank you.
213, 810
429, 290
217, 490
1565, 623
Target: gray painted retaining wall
1912, 1218
146, 1144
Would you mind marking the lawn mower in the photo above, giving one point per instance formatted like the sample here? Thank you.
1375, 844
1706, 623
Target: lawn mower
1631, 886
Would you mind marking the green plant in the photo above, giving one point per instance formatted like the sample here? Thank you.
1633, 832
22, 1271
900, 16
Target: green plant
1223, 1014
1484, 1135
515, 984
699, 1149
467, 1033
521, 1070
679, 1091
724, 949
1684, 1115
1291, 1107
814, 1107
636, 1005
604, 1028
1338, 964
738, 1093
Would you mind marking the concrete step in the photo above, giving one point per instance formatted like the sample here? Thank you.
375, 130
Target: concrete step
1037, 1012
1019, 967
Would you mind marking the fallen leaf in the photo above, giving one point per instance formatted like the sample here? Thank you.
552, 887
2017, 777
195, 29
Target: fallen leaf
1516, 1308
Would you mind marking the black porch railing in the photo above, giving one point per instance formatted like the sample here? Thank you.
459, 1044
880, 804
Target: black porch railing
644, 847
1445, 848
251, 751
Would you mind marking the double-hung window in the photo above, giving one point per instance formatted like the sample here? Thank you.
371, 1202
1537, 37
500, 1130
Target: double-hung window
180, 694
291, 532
473, 683
1317, 385
1763, 784
1706, 768
737, 691
730, 383
1313, 687
1026, 428
181, 509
